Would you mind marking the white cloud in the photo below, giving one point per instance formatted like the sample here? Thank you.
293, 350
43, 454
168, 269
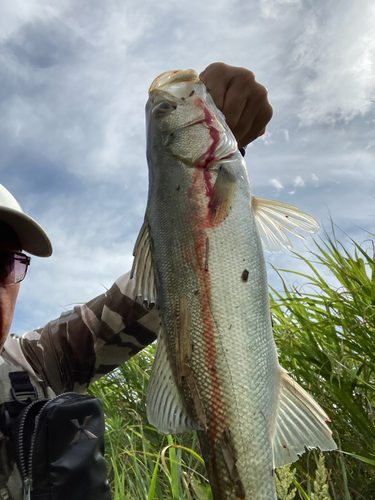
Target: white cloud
276, 184
273, 8
266, 138
17, 12
337, 59
315, 179
299, 182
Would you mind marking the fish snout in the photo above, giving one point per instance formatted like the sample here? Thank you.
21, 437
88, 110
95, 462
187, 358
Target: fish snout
179, 83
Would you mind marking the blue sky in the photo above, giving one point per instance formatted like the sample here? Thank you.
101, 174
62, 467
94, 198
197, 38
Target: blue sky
73, 85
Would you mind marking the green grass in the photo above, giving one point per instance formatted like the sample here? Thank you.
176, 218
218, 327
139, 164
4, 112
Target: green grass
325, 338
142, 462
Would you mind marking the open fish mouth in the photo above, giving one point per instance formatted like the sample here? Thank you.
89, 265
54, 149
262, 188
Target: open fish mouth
185, 87
179, 83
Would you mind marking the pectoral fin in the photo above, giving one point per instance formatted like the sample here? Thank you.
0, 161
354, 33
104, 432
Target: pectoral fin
273, 217
223, 196
300, 423
143, 269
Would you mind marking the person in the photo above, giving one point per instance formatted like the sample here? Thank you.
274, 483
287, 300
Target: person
71, 352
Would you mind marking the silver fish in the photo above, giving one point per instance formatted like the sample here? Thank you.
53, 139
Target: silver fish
199, 258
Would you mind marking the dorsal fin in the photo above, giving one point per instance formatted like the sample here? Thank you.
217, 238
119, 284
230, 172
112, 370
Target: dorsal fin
143, 269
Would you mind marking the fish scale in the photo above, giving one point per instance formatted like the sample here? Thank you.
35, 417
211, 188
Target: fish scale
247, 357
199, 259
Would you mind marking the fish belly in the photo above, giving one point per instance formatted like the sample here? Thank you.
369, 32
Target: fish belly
245, 355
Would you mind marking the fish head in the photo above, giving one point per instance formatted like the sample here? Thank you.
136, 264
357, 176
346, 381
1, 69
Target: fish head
183, 121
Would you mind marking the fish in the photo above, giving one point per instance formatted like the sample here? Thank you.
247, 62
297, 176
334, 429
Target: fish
199, 259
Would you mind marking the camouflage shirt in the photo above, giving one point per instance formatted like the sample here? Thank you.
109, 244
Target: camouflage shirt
69, 353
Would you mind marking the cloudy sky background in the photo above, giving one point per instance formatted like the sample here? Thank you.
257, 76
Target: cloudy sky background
74, 77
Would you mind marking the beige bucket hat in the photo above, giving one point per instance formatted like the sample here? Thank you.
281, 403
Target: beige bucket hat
32, 236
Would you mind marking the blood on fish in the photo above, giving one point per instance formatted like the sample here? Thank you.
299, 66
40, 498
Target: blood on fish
203, 163
201, 188
209, 186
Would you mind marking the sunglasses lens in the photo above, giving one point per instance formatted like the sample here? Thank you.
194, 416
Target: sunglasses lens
12, 268
7, 268
19, 271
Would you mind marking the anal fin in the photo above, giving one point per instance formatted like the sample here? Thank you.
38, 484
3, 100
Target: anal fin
300, 423
166, 409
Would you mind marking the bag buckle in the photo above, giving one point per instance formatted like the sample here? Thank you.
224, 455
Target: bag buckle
22, 390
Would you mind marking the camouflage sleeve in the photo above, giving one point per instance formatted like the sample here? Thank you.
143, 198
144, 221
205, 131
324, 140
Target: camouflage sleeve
83, 344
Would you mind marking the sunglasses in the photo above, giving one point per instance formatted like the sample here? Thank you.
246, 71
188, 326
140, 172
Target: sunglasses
13, 267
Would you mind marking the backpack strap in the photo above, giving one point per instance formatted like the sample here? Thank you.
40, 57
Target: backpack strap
23, 393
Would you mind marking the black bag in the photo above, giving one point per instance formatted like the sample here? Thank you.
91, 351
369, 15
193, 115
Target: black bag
59, 445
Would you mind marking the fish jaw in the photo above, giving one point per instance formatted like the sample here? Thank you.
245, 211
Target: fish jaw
178, 82
180, 121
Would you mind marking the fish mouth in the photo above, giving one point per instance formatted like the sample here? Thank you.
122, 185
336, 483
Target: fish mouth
178, 83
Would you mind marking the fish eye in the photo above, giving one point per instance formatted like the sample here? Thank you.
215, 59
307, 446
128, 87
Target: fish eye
163, 108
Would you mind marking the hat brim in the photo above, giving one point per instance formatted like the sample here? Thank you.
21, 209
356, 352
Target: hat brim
32, 236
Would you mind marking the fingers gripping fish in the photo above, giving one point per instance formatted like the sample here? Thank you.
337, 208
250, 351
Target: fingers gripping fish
199, 258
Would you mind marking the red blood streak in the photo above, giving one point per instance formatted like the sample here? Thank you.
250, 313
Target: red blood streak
209, 156
202, 188
207, 177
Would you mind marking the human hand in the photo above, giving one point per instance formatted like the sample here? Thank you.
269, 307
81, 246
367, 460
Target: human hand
241, 98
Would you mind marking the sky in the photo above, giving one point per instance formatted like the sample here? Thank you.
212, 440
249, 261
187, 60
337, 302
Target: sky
74, 78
